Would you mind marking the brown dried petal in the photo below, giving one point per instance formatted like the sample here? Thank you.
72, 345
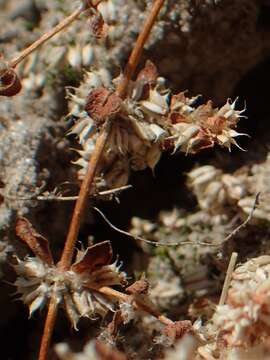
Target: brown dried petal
114, 324
108, 353
98, 26
10, 84
95, 256
36, 242
139, 287
101, 104
149, 73
177, 329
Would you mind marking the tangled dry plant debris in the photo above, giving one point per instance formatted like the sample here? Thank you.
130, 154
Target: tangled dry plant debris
123, 123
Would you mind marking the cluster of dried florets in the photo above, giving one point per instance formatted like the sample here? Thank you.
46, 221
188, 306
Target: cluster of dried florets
218, 192
214, 189
39, 280
244, 319
148, 121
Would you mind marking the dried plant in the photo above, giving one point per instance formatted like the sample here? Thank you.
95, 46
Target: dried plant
123, 123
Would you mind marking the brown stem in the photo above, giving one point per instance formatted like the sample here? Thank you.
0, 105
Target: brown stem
68, 251
136, 303
48, 330
138, 48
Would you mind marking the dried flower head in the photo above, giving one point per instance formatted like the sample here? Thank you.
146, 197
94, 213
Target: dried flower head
39, 279
147, 122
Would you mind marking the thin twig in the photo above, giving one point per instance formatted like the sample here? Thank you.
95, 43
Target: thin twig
228, 278
48, 329
138, 48
51, 33
45, 37
151, 242
241, 226
136, 303
54, 197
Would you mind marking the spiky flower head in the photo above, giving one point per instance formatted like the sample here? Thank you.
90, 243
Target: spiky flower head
146, 122
77, 289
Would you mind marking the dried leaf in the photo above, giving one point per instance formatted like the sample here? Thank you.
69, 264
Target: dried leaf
138, 287
95, 256
149, 73
177, 329
114, 324
101, 104
36, 242
98, 26
10, 84
108, 353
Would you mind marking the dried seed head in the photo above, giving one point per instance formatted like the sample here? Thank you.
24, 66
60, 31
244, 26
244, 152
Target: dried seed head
10, 84
147, 122
77, 289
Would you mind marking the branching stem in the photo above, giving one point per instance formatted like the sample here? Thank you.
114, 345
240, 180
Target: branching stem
138, 48
51, 33
68, 252
136, 303
45, 37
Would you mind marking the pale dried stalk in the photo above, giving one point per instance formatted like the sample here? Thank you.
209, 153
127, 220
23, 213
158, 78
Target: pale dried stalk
228, 278
45, 37
51, 33
69, 247
136, 303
